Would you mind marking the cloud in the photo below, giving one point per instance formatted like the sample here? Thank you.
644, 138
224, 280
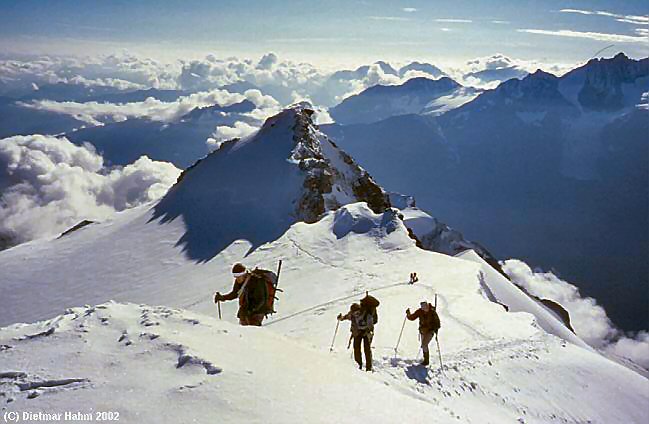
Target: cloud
388, 18
223, 133
454, 21
599, 36
120, 71
275, 77
267, 61
52, 184
95, 113
409, 9
588, 319
636, 349
489, 71
631, 19
498, 22
643, 32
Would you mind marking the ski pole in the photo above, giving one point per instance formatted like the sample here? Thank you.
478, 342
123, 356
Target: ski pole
334, 339
400, 333
439, 352
218, 306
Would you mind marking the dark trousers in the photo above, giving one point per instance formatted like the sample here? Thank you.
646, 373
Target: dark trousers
366, 340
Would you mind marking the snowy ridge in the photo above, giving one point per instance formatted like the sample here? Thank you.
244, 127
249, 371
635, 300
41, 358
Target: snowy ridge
505, 292
165, 362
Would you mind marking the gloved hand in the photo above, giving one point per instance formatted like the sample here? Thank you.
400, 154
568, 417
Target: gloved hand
340, 317
408, 311
217, 297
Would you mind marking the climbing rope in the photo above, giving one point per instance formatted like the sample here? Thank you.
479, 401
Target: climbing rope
331, 302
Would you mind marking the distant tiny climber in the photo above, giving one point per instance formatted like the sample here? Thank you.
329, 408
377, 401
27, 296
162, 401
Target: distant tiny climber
428, 326
413, 278
363, 317
256, 292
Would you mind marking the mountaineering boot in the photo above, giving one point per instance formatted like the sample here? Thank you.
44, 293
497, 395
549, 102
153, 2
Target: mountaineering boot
426, 358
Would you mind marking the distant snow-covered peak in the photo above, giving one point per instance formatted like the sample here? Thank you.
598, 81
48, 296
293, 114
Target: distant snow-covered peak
383, 101
607, 84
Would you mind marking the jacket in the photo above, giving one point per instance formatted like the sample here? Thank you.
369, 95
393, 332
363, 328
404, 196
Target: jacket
428, 320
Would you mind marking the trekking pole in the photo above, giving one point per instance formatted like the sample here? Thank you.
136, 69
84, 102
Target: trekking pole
331, 349
400, 333
439, 352
218, 306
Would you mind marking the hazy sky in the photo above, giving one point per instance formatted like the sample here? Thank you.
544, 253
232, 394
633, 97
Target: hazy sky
329, 32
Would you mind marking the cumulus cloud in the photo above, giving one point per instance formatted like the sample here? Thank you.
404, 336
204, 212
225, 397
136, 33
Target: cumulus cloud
588, 319
277, 78
489, 71
120, 71
272, 76
51, 184
95, 113
267, 61
223, 133
599, 36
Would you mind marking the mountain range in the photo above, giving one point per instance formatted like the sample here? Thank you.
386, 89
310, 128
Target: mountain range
536, 169
287, 192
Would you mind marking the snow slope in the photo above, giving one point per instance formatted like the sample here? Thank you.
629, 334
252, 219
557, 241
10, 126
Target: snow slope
158, 363
503, 291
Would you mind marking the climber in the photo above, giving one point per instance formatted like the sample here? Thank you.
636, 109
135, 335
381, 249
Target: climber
256, 292
428, 326
363, 317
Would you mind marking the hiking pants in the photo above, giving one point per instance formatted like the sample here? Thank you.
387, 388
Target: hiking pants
426, 337
366, 339
251, 320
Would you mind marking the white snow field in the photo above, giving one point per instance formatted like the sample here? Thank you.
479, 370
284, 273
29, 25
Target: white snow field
179, 363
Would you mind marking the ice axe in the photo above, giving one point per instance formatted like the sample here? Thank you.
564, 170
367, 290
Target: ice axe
218, 306
439, 352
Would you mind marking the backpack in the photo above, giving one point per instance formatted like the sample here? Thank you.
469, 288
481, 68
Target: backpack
258, 294
370, 303
362, 322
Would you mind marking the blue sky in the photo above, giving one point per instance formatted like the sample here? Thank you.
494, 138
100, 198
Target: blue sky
329, 31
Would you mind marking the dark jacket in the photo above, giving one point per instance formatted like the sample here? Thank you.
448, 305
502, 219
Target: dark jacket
234, 293
428, 320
